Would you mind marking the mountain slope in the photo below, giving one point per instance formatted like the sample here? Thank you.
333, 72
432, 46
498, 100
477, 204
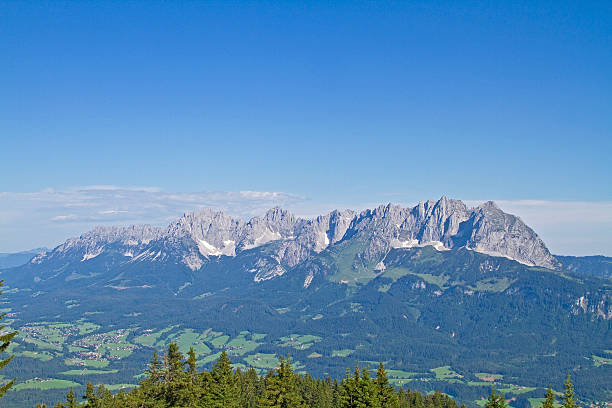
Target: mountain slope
11, 260
197, 238
423, 288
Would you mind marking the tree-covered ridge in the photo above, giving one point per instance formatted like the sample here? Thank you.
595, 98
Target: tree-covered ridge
173, 381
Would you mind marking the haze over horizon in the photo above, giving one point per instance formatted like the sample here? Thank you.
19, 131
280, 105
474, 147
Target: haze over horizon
49, 217
309, 106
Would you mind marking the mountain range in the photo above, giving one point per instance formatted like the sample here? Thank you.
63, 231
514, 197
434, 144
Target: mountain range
196, 238
431, 288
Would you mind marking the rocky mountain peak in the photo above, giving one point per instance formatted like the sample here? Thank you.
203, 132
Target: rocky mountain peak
201, 235
492, 231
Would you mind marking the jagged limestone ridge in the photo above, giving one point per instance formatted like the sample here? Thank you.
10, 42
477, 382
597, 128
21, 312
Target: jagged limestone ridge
198, 236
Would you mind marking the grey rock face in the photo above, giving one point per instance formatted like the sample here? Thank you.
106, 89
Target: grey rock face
93, 243
196, 237
491, 231
448, 224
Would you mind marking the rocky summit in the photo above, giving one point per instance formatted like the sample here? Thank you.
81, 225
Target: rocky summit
197, 237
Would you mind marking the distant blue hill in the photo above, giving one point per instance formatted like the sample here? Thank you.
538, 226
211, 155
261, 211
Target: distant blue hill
592, 265
10, 260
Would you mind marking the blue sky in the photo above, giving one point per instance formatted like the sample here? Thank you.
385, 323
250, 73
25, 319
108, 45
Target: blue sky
326, 104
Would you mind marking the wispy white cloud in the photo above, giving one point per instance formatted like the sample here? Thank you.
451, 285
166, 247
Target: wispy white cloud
65, 217
50, 216
108, 212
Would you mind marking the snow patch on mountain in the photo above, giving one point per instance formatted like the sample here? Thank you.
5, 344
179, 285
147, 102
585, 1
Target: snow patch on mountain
91, 255
264, 238
396, 243
207, 249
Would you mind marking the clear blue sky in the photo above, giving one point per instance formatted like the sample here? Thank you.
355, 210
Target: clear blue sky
350, 102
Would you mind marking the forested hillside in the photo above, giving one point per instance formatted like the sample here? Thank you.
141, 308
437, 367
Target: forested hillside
174, 381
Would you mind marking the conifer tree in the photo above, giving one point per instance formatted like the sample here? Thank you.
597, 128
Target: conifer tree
92, 400
224, 387
71, 401
192, 362
368, 392
175, 386
348, 389
281, 390
250, 388
151, 387
359, 391
154, 369
549, 401
496, 400
5, 341
174, 362
569, 399
386, 393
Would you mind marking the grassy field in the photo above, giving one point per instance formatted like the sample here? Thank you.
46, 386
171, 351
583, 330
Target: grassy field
493, 285
342, 353
400, 378
186, 339
488, 376
242, 344
445, 373
515, 389
395, 273
44, 384
86, 363
119, 387
438, 280
42, 355
599, 361
262, 361
87, 371
351, 270
149, 338
299, 341
219, 341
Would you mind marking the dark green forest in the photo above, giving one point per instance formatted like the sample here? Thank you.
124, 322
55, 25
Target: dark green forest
455, 321
173, 381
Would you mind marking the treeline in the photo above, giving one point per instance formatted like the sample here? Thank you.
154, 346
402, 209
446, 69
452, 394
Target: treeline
173, 381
